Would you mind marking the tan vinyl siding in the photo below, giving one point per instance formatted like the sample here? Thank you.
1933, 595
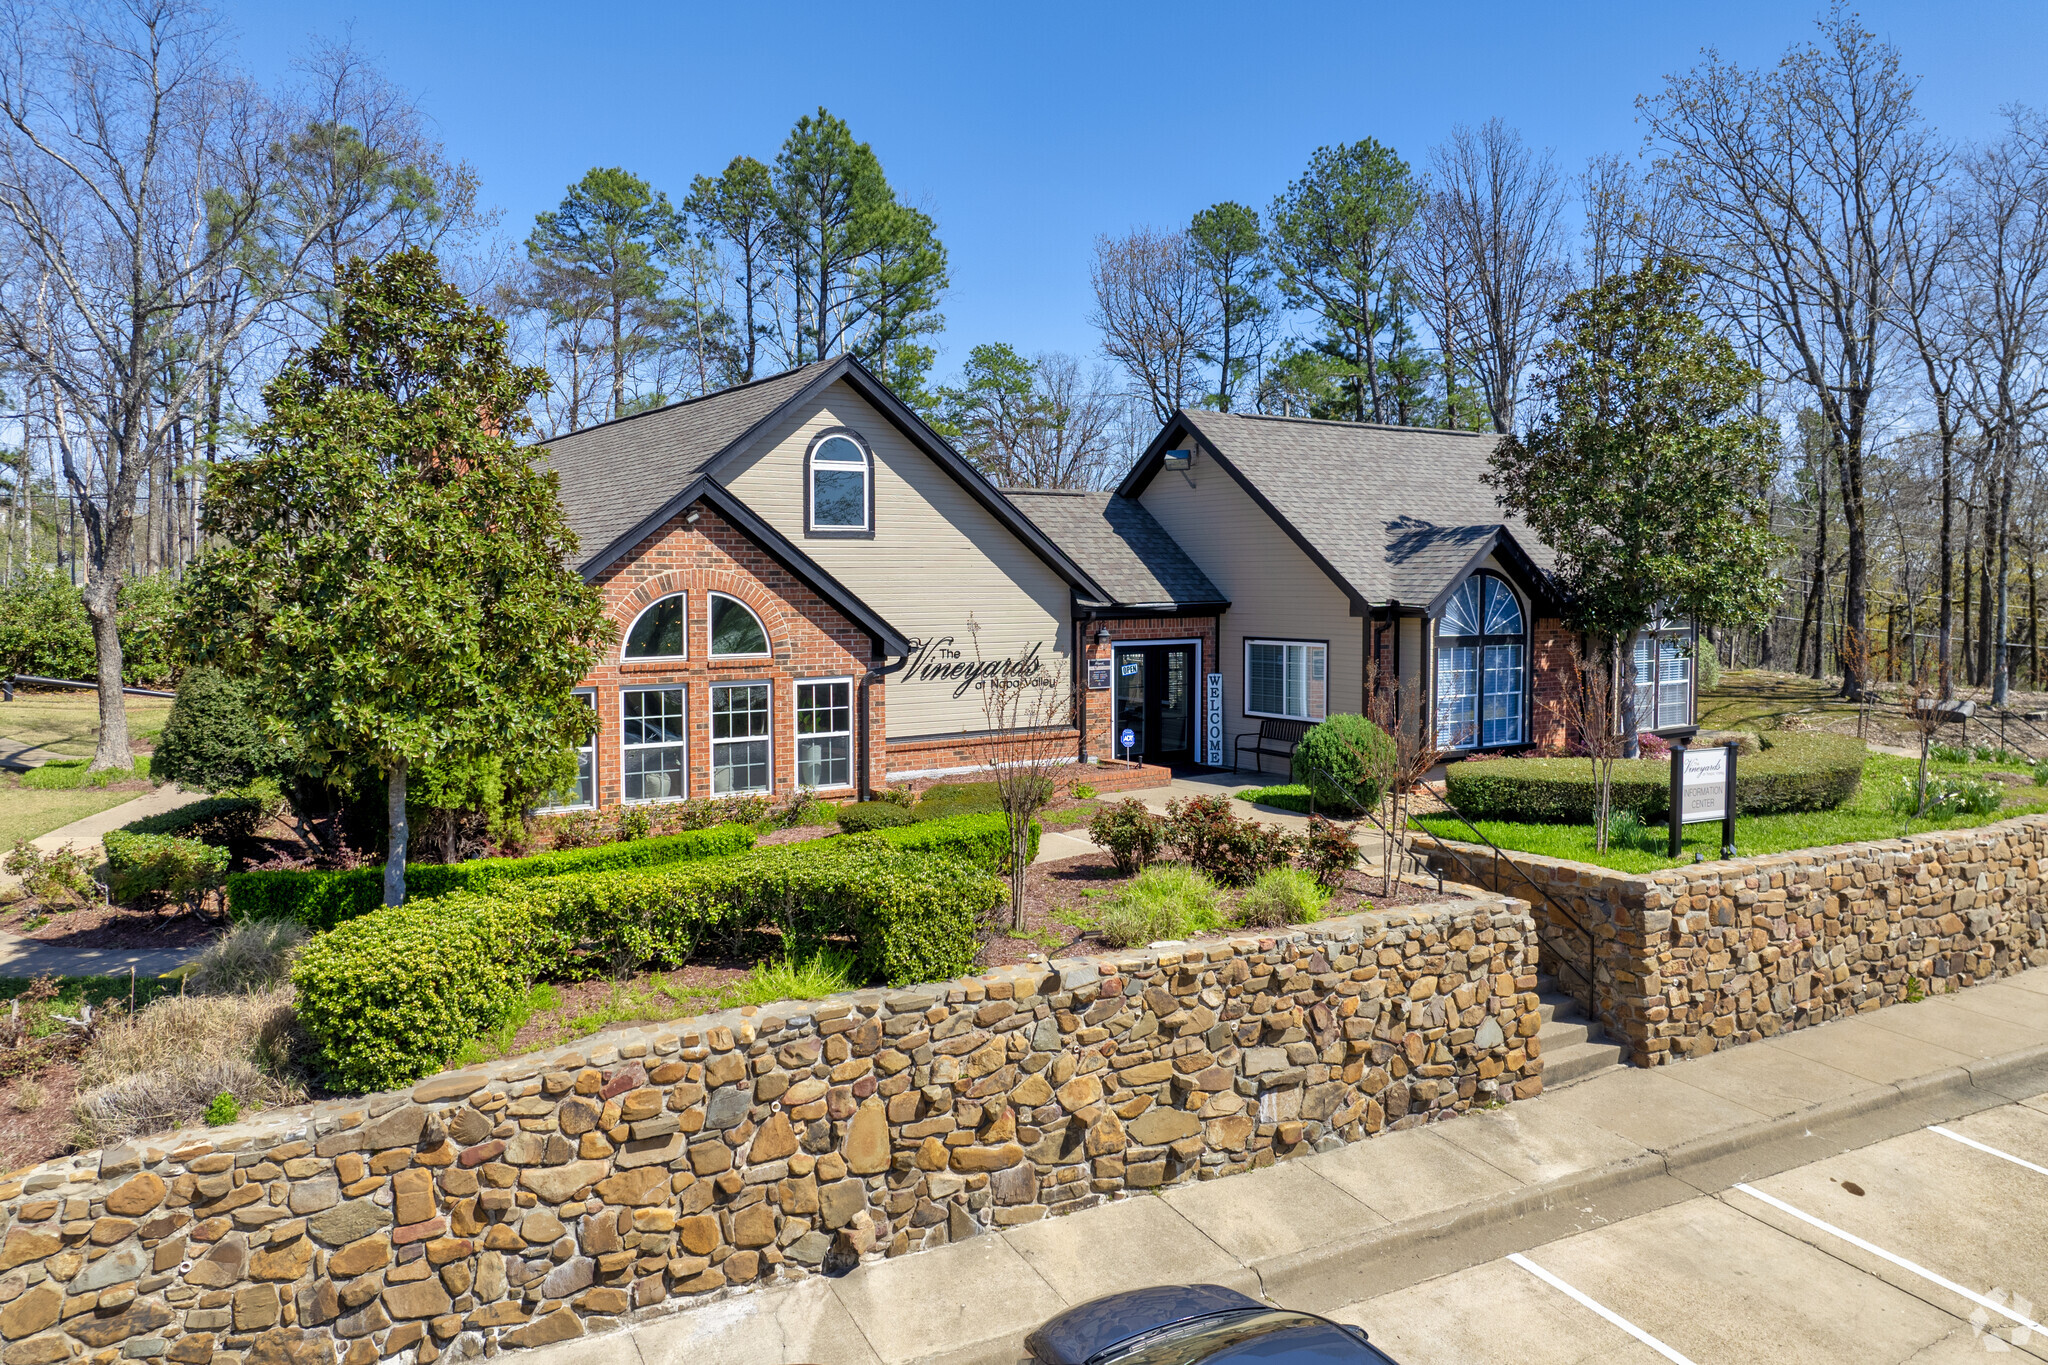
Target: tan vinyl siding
935, 555
1276, 592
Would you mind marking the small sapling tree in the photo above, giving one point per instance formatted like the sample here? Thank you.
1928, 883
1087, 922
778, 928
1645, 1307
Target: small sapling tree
1027, 745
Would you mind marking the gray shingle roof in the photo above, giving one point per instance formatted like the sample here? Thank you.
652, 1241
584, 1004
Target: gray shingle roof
614, 474
1119, 545
1397, 512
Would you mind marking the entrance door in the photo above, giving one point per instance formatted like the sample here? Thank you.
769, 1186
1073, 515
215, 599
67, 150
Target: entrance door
1155, 703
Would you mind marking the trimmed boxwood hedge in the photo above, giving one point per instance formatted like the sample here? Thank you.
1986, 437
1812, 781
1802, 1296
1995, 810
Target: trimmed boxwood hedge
149, 864
216, 820
321, 900
390, 996
983, 840
1795, 772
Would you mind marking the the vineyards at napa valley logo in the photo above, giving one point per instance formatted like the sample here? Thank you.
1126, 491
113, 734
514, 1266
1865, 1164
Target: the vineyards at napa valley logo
941, 660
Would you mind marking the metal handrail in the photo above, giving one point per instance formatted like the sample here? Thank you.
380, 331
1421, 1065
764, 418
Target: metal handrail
7, 686
1585, 974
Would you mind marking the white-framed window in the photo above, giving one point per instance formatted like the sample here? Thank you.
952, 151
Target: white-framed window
739, 738
654, 743
1482, 666
662, 631
1663, 677
1286, 679
736, 633
824, 733
580, 791
838, 484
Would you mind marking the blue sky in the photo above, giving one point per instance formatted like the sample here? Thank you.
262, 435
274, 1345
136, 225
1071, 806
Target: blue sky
1027, 129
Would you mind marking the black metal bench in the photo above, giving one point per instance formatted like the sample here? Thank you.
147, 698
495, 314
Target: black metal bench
1275, 738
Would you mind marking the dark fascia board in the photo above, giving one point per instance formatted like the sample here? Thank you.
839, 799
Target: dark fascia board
1530, 576
1148, 465
886, 638
915, 430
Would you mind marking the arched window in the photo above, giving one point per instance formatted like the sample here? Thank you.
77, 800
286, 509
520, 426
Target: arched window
736, 633
838, 485
1482, 669
661, 631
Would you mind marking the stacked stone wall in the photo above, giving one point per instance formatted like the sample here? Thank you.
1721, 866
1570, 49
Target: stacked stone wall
1717, 954
534, 1200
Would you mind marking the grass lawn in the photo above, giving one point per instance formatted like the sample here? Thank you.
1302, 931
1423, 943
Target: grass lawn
69, 722
26, 812
1867, 816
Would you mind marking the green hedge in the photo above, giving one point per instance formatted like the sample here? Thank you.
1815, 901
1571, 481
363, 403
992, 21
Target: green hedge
1794, 772
216, 820
390, 997
322, 900
983, 840
161, 864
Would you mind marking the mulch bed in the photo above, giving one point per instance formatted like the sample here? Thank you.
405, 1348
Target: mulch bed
43, 1129
102, 926
1065, 886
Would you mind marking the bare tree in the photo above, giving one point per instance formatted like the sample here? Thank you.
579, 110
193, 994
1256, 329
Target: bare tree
1434, 261
2004, 247
1027, 747
1503, 201
1071, 440
1155, 312
1803, 184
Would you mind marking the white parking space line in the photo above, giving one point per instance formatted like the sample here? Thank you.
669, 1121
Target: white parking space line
1901, 1262
1954, 1136
1585, 1302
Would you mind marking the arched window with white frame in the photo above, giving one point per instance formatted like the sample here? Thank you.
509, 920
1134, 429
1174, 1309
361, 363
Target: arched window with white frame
1482, 666
839, 486
661, 631
736, 632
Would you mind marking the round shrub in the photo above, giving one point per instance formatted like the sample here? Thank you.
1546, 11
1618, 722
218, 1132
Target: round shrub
869, 815
1130, 832
209, 742
1345, 762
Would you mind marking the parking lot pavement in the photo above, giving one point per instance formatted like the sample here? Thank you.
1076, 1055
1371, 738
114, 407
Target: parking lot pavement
1930, 1246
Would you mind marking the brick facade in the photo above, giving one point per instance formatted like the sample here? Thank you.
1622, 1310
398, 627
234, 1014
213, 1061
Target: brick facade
1550, 668
808, 639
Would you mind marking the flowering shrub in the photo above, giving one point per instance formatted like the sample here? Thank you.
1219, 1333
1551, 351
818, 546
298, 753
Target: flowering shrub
1131, 833
1202, 830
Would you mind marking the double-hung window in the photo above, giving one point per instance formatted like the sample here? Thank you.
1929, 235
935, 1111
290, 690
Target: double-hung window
739, 738
654, 743
580, 792
1663, 678
1286, 679
824, 733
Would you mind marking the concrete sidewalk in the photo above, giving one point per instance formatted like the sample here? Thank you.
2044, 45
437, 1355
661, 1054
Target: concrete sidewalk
1326, 1230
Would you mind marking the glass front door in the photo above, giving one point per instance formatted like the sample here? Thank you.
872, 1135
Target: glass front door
1155, 703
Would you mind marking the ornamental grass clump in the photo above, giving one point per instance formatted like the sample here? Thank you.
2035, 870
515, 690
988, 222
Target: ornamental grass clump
1165, 901
1948, 794
1282, 896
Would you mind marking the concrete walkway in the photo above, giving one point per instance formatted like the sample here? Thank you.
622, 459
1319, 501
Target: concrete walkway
27, 958
1319, 1231
84, 834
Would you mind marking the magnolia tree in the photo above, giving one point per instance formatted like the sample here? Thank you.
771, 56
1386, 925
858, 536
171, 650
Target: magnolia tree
1027, 746
1644, 471
388, 570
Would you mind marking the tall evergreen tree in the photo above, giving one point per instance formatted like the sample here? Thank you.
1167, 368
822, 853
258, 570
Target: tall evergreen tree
739, 210
1226, 244
387, 570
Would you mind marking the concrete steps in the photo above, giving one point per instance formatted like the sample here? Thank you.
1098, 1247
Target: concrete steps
1573, 1046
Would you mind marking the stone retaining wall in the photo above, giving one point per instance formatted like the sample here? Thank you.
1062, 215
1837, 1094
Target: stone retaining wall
1721, 953
529, 1201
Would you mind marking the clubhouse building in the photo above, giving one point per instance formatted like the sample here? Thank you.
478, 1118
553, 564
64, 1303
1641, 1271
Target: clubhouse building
810, 584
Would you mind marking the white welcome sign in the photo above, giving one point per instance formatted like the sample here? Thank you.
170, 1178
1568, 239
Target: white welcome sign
1212, 720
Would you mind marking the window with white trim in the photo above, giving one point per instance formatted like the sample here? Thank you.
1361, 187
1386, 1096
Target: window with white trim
1286, 679
736, 633
580, 792
837, 490
1482, 653
654, 743
739, 738
662, 631
1662, 656
824, 733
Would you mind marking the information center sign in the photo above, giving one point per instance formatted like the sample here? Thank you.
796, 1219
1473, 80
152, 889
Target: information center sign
1702, 791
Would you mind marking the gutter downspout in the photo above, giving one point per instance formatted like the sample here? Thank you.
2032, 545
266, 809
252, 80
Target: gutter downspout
1080, 653
864, 789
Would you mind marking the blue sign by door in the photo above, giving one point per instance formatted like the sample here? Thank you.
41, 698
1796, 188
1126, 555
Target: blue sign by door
1129, 738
